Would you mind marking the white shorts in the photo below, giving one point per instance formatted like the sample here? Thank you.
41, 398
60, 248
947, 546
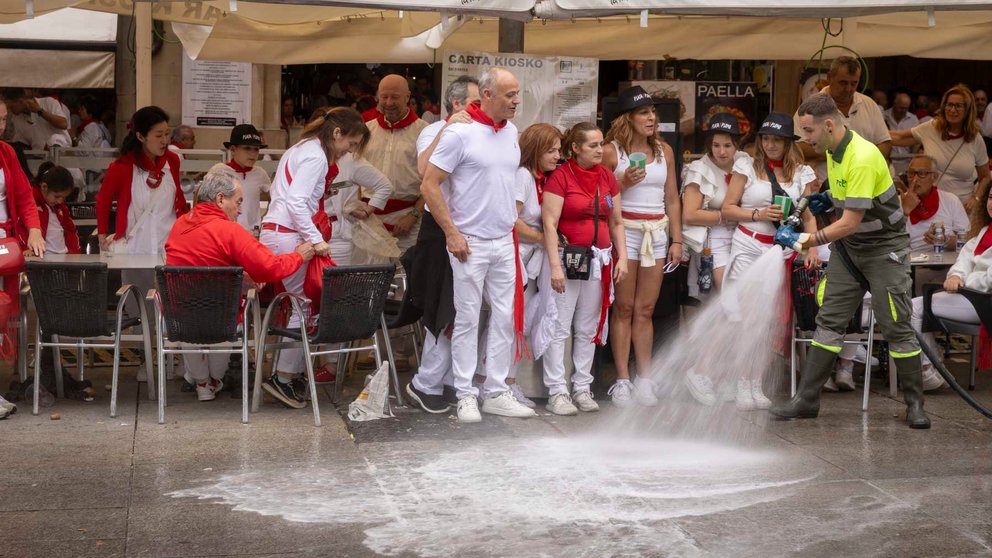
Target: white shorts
634, 238
720, 248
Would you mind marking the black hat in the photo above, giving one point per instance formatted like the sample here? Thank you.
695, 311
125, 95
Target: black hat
632, 98
245, 134
778, 124
724, 123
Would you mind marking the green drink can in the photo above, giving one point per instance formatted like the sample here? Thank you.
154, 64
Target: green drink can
638, 160
785, 202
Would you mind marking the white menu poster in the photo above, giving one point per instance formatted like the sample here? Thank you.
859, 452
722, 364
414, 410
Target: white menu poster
216, 94
559, 90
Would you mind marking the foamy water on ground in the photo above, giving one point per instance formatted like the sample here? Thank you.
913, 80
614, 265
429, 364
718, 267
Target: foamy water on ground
613, 492
582, 496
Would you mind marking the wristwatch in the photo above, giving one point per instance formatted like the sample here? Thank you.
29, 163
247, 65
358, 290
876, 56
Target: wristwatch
416, 212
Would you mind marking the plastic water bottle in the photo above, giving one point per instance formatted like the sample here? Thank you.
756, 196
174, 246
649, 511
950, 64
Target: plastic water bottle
960, 234
705, 280
939, 240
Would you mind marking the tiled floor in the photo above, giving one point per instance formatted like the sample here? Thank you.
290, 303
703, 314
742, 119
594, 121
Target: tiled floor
610, 484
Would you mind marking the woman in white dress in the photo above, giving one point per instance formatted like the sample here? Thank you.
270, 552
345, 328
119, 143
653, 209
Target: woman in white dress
750, 203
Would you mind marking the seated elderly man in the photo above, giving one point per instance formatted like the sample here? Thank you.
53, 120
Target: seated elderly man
209, 235
925, 205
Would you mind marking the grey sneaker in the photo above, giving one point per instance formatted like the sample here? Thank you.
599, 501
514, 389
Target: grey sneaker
584, 401
518, 394
561, 404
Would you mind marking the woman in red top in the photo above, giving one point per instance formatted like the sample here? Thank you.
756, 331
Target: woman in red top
569, 206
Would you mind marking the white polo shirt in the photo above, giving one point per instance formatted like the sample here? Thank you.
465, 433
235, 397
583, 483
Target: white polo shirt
35, 131
482, 165
864, 117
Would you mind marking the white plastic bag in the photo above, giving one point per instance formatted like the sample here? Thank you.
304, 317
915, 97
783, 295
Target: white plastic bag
373, 243
373, 402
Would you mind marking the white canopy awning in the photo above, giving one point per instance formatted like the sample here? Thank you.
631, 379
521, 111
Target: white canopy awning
764, 8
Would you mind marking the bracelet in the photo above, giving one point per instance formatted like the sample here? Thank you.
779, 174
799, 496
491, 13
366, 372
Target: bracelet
754, 216
675, 242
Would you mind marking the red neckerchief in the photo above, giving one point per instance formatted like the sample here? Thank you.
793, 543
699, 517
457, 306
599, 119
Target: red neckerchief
726, 178
773, 164
238, 168
410, 118
984, 243
586, 179
539, 181
927, 207
153, 168
177, 146
85, 123
475, 111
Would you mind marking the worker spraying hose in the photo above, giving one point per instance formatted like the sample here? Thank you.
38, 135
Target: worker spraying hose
871, 243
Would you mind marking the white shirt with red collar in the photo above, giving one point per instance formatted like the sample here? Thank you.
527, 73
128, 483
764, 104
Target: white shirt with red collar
254, 181
299, 185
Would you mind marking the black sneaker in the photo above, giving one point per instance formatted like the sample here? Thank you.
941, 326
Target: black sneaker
302, 388
433, 404
450, 396
284, 393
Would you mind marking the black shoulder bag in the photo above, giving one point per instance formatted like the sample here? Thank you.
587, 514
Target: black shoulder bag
577, 259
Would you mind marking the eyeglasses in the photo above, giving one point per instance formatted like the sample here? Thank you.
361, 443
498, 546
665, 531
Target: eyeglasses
918, 174
955, 106
671, 266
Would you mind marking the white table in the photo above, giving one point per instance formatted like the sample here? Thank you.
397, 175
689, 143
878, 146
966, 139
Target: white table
117, 261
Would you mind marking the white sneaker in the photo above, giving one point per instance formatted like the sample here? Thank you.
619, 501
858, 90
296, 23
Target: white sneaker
7, 406
505, 405
468, 410
518, 394
584, 401
205, 392
701, 387
844, 376
931, 379
831, 385
760, 401
561, 404
644, 389
744, 399
620, 393
861, 354
4, 412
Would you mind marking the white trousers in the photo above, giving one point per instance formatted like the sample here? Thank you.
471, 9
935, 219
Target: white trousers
435, 365
945, 305
341, 249
200, 368
290, 360
579, 308
490, 271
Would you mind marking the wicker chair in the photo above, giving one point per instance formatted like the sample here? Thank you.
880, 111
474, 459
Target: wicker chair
351, 306
196, 307
71, 301
805, 308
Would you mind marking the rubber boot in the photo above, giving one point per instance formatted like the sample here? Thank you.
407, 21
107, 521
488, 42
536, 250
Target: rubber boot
910, 371
806, 403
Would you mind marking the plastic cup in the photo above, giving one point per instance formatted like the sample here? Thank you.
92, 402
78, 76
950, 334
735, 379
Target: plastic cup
638, 160
785, 202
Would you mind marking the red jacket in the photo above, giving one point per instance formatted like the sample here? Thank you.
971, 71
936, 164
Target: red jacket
206, 237
21, 208
117, 185
64, 216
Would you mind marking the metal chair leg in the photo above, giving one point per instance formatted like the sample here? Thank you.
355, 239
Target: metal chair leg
974, 363
79, 364
57, 356
161, 374
392, 360
871, 340
146, 338
22, 339
116, 373
793, 362
37, 369
244, 377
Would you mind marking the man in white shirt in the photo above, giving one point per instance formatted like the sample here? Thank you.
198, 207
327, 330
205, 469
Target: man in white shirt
432, 271
183, 137
898, 117
477, 211
392, 148
924, 205
39, 122
860, 112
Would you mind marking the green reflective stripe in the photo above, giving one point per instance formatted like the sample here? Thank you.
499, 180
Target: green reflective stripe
892, 308
821, 287
830, 348
894, 354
